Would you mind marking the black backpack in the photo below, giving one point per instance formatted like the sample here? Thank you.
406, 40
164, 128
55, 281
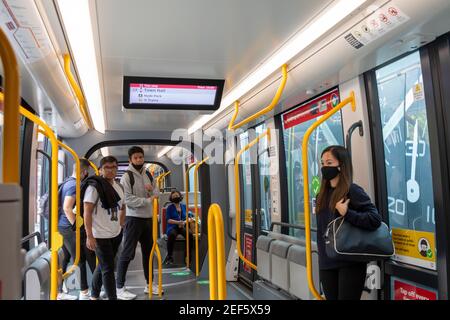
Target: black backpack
131, 176
44, 201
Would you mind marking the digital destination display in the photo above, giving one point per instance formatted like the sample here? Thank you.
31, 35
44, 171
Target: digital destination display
171, 93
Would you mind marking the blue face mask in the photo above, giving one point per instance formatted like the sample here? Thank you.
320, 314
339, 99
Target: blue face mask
329, 173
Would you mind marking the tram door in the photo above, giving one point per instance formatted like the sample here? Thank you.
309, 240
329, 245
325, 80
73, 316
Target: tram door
255, 197
402, 113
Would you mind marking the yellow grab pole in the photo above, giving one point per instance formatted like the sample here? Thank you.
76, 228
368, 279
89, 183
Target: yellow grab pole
160, 177
237, 195
57, 239
187, 214
197, 272
216, 254
155, 247
93, 167
232, 126
76, 90
11, 118
78, 219
350, 99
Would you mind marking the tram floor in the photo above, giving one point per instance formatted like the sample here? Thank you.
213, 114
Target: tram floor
179, 282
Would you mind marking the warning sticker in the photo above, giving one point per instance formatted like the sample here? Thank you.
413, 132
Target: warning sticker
377, 24
418, 92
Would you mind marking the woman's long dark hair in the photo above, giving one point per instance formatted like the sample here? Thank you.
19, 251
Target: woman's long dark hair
345, 180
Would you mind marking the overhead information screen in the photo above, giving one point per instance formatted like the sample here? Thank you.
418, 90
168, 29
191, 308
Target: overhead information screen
171, 93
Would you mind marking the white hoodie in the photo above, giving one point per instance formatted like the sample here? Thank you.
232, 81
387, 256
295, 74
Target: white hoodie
138, 200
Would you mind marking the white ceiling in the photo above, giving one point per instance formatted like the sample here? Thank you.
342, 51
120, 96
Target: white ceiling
150, 151
191, 39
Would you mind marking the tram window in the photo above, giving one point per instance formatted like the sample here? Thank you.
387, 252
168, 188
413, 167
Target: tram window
264, 179
407, 161
43, 186
22, 128
328, 133
246, 181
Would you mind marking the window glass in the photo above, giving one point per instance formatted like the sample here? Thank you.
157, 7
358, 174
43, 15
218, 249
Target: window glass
295, 124
246, 183
407, 161
264, 178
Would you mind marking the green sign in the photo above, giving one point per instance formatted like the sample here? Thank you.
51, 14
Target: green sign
315, 185
180, 274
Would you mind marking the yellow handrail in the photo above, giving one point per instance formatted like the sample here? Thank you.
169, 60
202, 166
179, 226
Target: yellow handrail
160, 177
237, 195
216, 254
232, 126
11, 118
77, 91
187, 214
158, 254
78, 219
197, 272
93, 167
350, 99
57, 239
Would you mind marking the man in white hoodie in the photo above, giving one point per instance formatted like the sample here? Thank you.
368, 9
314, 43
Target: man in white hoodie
140, 191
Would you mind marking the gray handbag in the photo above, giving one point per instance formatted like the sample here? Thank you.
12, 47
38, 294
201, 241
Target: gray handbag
344, 241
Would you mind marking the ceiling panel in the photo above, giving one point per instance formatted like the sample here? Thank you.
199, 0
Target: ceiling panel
122, 151
196, 38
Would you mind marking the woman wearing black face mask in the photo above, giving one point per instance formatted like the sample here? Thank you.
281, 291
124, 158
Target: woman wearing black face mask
176, 224
339, 196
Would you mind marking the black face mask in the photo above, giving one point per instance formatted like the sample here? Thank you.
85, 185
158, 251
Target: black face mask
329, 173
176, 199
138, 167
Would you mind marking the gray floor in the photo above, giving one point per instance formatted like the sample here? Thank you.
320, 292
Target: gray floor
178, 282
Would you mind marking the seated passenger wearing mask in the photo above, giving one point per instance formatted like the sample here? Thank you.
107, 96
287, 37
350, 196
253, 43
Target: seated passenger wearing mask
176, 224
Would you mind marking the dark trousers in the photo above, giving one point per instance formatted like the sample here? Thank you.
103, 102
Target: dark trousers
172, 236
106, 251
69, 248
135, 230
346, 283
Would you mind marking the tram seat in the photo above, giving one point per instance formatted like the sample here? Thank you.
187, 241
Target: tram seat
163, 225
33, 254
36, 273
278, 255
180, 245
264, 261
287, 255
37, 280
298, 280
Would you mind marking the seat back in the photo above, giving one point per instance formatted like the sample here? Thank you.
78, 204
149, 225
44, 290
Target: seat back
264, 262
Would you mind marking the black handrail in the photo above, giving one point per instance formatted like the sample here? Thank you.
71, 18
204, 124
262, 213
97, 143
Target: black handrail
289, 225
348, 138
36, 234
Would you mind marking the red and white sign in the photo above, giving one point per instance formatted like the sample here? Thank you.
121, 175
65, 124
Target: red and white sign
383, 18
248, 248
311, 109
393, 11
405, 291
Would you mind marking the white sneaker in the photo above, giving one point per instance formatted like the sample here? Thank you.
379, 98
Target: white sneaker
154, 289
66, 296
64, 287
124, 294
84, 295
103, 294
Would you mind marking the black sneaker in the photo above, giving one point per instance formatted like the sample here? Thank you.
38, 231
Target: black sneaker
168, 260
